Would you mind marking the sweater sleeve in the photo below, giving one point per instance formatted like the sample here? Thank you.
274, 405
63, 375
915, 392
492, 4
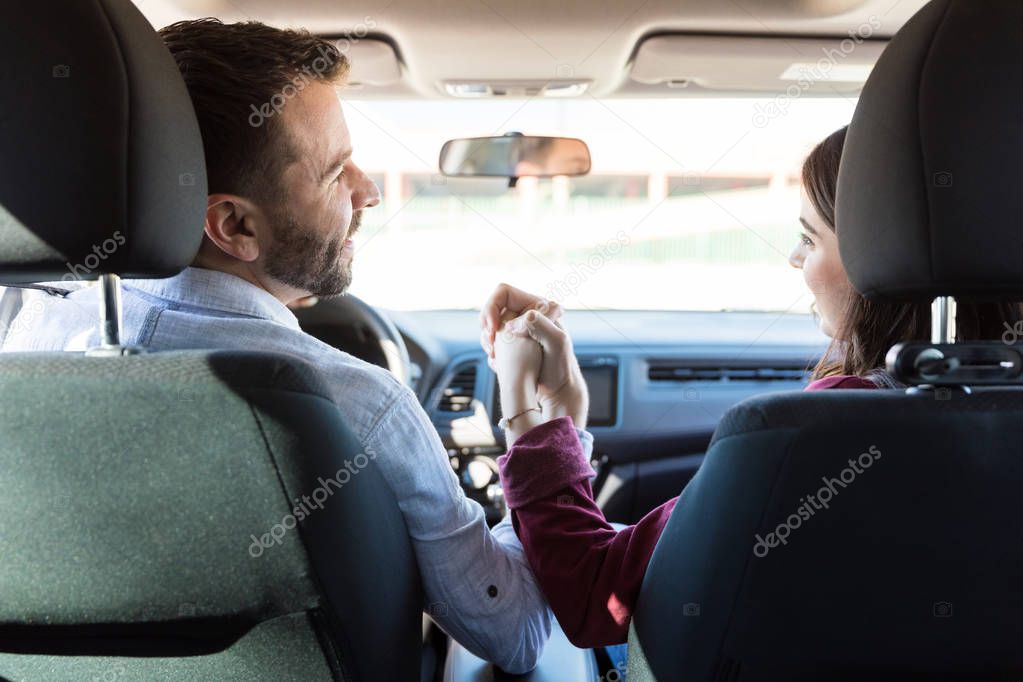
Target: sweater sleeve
590, 573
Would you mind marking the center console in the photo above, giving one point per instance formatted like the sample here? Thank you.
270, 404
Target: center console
561, 662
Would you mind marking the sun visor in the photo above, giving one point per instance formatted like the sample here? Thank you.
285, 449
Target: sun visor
374, 62
729, 64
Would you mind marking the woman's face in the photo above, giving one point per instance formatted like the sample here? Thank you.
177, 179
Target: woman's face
816, 255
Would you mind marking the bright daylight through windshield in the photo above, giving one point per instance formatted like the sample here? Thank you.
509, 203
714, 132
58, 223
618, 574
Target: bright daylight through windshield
691, 204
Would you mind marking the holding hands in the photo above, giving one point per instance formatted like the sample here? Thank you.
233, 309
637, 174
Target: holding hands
534, 360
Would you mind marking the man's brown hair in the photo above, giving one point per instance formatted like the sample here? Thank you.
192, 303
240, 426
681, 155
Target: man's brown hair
239, 77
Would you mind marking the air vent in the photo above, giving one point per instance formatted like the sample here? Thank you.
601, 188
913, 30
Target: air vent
690, 371
457, 395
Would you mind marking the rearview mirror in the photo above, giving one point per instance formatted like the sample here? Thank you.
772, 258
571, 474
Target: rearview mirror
514, 156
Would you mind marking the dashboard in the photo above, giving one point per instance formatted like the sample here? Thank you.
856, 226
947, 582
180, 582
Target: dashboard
659, 383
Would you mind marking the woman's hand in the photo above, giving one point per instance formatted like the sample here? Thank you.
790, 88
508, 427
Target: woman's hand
561, 388
517, 361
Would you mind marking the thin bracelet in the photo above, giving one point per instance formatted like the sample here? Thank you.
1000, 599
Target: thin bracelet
506, 421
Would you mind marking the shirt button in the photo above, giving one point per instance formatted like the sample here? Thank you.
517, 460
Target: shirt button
492, 591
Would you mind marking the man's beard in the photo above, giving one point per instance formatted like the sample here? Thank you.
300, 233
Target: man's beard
300, 259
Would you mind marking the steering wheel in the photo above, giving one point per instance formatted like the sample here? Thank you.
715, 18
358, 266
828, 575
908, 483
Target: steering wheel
350, 324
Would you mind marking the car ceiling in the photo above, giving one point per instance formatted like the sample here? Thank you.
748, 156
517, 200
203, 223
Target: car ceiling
589, 40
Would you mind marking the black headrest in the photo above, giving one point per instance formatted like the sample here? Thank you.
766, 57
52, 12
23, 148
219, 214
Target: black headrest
101, 159
931, 180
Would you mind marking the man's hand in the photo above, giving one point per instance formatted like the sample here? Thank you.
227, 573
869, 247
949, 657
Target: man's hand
561, 388
507, 303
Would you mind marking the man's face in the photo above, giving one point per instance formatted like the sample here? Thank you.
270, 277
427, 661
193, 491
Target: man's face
310, 248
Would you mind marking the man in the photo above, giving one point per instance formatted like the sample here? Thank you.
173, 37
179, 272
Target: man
285, 201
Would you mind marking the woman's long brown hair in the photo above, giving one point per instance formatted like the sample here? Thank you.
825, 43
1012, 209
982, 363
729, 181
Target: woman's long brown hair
869, 328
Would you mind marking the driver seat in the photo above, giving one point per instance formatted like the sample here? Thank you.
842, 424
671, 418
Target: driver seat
149, 522
906, 562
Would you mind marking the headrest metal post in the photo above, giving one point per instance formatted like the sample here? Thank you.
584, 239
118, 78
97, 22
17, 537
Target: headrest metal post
110, 319
110, 310
943, 320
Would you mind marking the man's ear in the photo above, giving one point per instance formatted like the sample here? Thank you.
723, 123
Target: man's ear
234, 224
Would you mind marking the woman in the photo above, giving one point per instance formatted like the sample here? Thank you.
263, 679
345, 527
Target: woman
591, 572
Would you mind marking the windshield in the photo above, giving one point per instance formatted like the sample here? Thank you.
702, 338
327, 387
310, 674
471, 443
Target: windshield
691, 204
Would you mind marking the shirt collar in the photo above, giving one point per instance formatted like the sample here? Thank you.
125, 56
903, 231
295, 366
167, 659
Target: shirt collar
216, 290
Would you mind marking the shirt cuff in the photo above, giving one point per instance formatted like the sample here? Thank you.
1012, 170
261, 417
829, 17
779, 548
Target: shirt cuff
586, 438
544, 460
